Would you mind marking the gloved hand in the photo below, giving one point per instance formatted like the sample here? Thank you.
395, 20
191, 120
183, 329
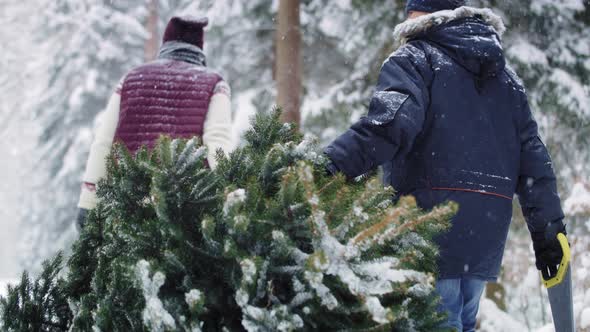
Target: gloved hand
548, 250
331, 169
81, 218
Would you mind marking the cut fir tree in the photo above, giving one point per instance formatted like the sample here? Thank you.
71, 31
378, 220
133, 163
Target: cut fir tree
266, 242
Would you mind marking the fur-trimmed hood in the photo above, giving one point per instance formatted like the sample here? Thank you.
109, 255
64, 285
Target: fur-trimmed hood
470, 36
421, 24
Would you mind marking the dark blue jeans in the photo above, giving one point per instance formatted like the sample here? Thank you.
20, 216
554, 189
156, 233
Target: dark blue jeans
460, 300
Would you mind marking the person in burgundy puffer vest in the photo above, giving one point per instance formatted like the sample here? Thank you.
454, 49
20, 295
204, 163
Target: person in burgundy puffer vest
175, 95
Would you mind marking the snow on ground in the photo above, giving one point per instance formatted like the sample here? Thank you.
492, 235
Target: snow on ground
547, 328
493, 319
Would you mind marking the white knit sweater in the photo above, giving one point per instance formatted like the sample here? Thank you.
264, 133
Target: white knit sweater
216, 135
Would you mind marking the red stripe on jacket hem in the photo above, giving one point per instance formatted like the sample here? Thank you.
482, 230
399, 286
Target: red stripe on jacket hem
475, 191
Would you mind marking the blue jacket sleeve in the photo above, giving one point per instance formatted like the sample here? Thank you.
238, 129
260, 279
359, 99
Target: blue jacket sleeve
396, 116
537, 186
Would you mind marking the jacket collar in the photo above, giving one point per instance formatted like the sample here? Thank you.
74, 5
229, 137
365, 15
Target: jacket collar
415, 26
180, 51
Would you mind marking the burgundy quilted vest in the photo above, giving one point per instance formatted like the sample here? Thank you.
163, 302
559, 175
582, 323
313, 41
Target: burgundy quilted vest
164, 97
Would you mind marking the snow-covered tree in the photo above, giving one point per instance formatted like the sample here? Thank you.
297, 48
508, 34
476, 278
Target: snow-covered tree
266, 242
352, 55
17, 131
87, 46
344, 44
547, 43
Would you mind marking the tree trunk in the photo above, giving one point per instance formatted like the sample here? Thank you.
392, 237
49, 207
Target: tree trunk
497, 293
152, 43
288, 61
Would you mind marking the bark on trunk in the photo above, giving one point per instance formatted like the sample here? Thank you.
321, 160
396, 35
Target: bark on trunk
288, 61
152, 43
497, 293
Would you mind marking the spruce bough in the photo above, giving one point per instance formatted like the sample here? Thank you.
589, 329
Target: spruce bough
266, 242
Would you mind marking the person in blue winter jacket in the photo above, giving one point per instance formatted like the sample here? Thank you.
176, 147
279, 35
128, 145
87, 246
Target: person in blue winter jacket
449, 121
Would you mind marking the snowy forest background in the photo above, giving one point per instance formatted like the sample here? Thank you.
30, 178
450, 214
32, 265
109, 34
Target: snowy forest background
61, 60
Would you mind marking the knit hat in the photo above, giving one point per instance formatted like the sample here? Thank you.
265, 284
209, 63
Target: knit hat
431, 6
186, 29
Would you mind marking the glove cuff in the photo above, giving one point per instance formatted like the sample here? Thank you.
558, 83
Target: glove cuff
538, 236
554, 228
550, 232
